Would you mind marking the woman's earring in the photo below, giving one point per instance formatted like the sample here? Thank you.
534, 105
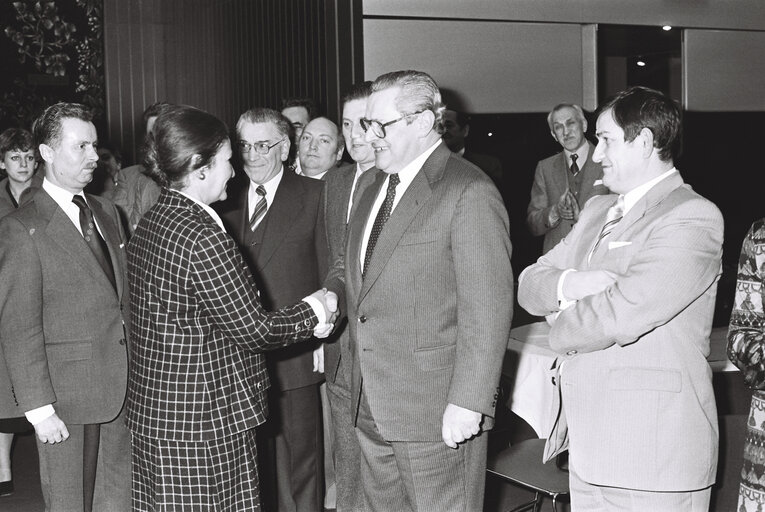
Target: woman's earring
201, 175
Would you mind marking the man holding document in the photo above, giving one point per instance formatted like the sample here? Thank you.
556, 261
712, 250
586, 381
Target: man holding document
630, 294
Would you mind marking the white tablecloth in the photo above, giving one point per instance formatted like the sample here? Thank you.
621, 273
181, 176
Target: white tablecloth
529, 358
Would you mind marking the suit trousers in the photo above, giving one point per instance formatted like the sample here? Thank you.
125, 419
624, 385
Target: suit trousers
291, 445
61, 470
418, 476
586, 497
347, 454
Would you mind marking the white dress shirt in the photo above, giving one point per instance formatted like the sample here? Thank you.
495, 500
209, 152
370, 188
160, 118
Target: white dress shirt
406, 176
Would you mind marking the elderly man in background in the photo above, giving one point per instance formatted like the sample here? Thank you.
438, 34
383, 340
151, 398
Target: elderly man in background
631, 294
429, 292
564, 182
63, 309
278, 221
320, 148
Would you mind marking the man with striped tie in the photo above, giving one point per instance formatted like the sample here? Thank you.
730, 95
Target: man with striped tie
631, 291
278, 220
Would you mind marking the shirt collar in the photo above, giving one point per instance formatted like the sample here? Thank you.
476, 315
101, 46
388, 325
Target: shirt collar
270, 186
206, 208
407, 174
633, 196
61, 196
581, 155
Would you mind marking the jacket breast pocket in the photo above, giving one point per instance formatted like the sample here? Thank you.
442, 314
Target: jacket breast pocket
437, 358
69, 351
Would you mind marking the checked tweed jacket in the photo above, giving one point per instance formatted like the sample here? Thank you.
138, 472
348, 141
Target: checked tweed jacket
198, 371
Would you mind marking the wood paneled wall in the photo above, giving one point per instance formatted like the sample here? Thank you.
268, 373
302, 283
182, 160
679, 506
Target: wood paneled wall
225, 56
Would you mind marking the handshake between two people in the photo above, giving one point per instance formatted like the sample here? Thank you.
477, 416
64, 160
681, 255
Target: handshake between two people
328, 301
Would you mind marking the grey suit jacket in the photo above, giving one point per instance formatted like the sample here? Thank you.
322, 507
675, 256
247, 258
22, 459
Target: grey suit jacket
429, 323
61, 322
635, 382
337, 197
551, 179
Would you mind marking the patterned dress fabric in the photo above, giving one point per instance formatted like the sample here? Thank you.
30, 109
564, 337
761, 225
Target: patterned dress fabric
746, 347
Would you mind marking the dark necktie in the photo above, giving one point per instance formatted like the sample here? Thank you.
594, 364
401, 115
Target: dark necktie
260, 208
93, 238
613, 216
574, 166
380, 220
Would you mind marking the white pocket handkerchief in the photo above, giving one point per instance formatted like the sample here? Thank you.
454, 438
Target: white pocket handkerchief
616, 245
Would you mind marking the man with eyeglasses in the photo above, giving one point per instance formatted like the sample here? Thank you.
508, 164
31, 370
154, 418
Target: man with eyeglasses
278, 221
429, 292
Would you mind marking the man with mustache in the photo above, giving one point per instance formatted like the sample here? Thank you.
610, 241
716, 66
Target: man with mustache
563, 182
63, 310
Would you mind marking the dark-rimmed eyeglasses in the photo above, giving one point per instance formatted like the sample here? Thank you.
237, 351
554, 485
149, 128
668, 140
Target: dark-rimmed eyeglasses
261, 148
378, 128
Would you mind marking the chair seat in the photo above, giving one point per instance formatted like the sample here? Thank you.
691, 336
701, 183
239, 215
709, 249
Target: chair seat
522, 464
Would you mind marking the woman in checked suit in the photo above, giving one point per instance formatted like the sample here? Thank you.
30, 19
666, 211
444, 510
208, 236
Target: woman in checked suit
198, 381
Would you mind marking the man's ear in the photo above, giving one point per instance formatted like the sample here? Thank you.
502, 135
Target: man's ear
286, 144
424, 122
47, 153
466, 129
646, 136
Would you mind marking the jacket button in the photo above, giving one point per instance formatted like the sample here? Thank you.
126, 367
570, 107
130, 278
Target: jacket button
122, 341
362, 319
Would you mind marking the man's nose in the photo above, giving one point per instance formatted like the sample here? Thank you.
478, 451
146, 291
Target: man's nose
597, 155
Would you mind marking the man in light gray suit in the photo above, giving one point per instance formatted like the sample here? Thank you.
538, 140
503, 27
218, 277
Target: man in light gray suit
564, 182
63, 306
632, 293
429, 292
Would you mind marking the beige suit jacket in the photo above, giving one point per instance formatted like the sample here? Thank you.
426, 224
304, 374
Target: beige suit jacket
635, 383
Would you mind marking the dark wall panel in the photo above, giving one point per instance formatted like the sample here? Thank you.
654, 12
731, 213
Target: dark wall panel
225, 56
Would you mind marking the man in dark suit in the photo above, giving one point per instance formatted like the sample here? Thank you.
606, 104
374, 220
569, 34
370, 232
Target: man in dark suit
456, 130
429, 291
63, 304
564, 182
343, 186
278, 221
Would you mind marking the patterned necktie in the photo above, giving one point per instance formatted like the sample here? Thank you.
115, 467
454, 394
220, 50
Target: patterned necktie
260, 208
93, 238
613, 216
380, 220
574, 166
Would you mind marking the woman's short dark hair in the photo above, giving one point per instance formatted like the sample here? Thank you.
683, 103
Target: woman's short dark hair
183, 140
15, 139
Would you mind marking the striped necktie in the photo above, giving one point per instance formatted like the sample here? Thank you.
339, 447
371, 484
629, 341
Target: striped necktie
260, 208
613, 216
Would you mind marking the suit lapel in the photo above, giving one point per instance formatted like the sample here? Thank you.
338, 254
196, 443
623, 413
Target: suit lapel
589, 175
560, 174
418, 192
113, 240
61, 230
356, 234
288, 204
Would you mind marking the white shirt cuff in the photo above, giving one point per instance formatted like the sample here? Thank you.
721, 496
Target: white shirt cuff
563, 302
318, 308
36, 416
